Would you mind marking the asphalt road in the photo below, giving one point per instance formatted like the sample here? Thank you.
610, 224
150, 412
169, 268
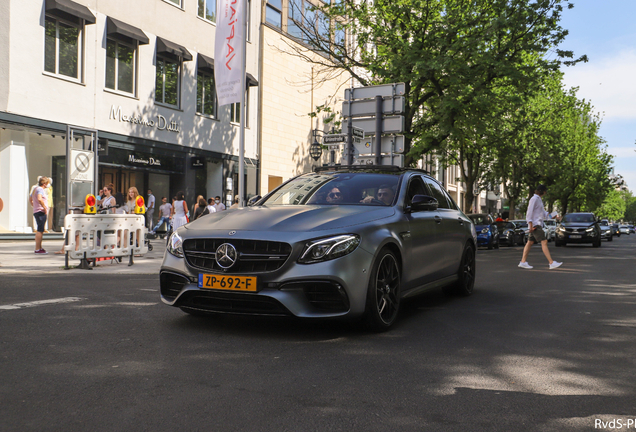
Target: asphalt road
544, 350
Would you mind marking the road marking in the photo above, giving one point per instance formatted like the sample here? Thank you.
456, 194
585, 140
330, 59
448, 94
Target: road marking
41, 303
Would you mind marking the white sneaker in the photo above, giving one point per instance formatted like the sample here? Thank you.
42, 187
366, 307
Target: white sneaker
525, 265
555, 264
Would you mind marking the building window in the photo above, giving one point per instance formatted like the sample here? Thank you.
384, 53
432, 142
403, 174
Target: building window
167, 83
120, 66
274, 13
235, 110
62, 48
207, 10
174, 2
307, 23
206, 94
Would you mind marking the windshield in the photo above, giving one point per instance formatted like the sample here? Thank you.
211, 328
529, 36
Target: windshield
480, 219
521, 223
579, 217
337, 189
604, 223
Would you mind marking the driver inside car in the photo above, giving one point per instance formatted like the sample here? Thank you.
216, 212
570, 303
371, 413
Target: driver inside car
384, 194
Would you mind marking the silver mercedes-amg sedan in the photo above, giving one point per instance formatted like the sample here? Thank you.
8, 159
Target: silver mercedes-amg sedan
335, 243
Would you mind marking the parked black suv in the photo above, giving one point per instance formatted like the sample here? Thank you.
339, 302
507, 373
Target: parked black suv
578, 228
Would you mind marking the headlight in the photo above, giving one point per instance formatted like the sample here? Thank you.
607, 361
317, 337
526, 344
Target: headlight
590, 229
329, 248
484, 231
175, 245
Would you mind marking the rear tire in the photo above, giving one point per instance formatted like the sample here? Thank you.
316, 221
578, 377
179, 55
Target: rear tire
383, 294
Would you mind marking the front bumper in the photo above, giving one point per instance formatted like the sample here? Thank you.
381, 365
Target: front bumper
606, 234
578, 237
335, 288
484, 239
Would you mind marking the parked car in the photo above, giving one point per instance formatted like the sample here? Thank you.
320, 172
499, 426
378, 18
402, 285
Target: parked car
487, 231
520, 223
606, 230
615, 230
340, 242
549, 226
624, 229
631, 229
578, 228
510, 234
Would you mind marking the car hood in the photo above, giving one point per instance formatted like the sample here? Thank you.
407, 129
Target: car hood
293, 218
577, 224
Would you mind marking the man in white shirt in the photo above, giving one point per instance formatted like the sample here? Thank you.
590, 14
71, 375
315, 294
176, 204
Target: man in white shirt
218, 205
151, 209
535, 216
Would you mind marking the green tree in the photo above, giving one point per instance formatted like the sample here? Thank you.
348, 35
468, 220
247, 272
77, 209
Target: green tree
613, 208
451, 54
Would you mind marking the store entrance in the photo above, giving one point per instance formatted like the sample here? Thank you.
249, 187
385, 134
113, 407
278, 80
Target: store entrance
122, 179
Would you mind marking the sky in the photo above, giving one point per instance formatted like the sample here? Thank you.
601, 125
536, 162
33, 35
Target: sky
605, 30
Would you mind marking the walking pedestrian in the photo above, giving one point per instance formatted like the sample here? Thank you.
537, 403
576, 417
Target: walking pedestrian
218, 205
534, 216
179, 211
151, 209
39, 200
165, 210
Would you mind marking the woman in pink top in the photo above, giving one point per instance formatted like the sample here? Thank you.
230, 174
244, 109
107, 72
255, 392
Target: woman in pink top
40, 202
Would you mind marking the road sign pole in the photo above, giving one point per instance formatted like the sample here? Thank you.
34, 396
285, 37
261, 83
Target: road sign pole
378, 130
350, 134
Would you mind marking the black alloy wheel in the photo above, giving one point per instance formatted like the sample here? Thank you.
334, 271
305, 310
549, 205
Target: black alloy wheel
383, 296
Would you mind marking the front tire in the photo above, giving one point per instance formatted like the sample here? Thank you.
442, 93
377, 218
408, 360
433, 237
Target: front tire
383, 295
610, 238
597, 243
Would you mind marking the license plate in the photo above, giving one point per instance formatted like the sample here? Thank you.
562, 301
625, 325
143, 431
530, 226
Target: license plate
231, 283
575, 236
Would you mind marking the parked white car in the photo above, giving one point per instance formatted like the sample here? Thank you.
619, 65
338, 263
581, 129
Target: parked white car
549, 226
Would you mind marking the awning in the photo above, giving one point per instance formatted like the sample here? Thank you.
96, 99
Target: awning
125, 32
250, 81
172, 49
206, 63
69, 10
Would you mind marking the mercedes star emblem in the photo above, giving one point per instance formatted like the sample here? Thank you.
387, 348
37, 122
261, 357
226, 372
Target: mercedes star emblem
226, 255
232, 232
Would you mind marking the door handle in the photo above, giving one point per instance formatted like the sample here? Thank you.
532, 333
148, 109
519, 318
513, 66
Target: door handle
461, 221
438, 219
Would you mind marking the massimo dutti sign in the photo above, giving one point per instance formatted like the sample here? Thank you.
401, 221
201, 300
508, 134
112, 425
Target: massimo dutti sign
161, 123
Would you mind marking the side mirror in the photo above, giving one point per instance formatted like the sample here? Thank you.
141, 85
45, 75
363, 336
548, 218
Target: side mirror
253, 200
423, 203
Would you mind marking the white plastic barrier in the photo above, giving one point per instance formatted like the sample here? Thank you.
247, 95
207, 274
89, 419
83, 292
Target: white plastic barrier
105, 235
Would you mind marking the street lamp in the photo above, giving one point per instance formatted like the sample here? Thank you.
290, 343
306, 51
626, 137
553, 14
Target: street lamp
315, 149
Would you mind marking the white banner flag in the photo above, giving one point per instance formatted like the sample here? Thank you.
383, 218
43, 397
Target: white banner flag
228, 51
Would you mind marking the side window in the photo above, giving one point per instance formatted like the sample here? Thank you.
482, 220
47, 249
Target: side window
439, 194
416, 187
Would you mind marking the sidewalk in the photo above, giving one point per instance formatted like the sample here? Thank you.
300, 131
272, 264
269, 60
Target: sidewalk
18, 257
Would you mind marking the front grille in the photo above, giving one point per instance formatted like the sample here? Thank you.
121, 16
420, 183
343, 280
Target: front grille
575, 230
237, 303
171, 284
254, 256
